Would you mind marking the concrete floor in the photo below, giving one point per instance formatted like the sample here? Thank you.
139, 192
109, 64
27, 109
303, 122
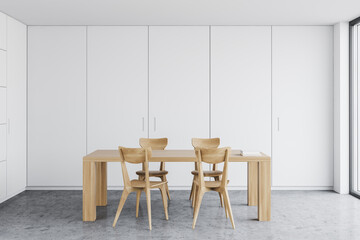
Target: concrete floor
295, 215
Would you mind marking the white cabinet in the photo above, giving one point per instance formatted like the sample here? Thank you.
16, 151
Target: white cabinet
3, 118
2, 68
56, 105
2, 180
3, 19
3, 142
302, 106
179, 90
117, 91
258, 88
16, 106
241, 91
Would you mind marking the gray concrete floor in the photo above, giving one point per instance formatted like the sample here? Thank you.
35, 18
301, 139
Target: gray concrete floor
295, 215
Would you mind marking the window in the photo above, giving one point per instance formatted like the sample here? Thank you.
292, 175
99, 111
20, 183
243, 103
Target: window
355, 107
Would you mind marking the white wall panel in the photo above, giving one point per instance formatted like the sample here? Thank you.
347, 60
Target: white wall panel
241, 91
16, 105
179, 90
303, 106
56, 105
2, 68
3, 39
117, 91
3, 118
3, 134
2, 180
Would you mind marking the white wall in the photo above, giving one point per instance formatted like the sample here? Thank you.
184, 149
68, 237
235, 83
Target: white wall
13, 82
17, 104
302, 106
65, 71
56, 105
179, 91
241, 91
117, 91
341, 107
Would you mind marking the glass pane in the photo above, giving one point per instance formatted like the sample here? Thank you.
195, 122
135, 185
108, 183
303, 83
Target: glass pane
356, 168
355, 110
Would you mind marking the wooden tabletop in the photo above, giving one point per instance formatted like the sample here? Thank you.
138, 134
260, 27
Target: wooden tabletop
173, 156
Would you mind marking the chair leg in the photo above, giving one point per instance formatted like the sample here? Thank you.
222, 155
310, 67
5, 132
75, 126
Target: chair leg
194, 192
226, 210
228, 206
221, 198
194, 196
192, 189
166, 187
164, 199
199, 197
138, 195
148, 203
123, 198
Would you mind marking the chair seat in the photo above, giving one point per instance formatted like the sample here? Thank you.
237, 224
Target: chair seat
211, 184
152, 173
214, 173
141, 184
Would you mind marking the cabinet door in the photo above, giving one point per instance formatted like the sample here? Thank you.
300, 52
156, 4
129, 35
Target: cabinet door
56, 105
2, 68
241, 91
16, 106
2, 180
3, 19
179, 90
117, 91
3, 147
303, 106
3, 118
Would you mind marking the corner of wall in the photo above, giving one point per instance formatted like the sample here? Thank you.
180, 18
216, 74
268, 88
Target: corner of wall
341, 107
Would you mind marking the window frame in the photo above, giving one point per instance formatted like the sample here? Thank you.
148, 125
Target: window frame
353, 83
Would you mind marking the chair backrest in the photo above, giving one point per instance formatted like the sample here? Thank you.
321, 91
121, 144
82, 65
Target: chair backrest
154, 143
134, 156
205, 142
213, 156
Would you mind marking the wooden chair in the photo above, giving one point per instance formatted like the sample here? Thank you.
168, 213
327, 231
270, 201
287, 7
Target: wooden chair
205, 143
155, 144
136, 156
212, 156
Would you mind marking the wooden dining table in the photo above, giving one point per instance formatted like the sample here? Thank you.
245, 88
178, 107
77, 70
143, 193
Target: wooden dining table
95, 177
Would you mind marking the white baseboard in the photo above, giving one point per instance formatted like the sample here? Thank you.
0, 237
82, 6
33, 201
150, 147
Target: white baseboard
299, 188
314, 188
12, 195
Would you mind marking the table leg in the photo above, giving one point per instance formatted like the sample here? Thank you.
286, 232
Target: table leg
252, 183
101, 184
89, 188
264, 207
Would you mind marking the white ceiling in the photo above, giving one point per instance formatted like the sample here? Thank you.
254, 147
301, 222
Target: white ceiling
181, 12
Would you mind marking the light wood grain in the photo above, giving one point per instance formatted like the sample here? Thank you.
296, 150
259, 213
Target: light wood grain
138, 156
89, 191
101, 184
155, 144
89, 179
264, 201
252, 192
212, 156
170, 156
203, 143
